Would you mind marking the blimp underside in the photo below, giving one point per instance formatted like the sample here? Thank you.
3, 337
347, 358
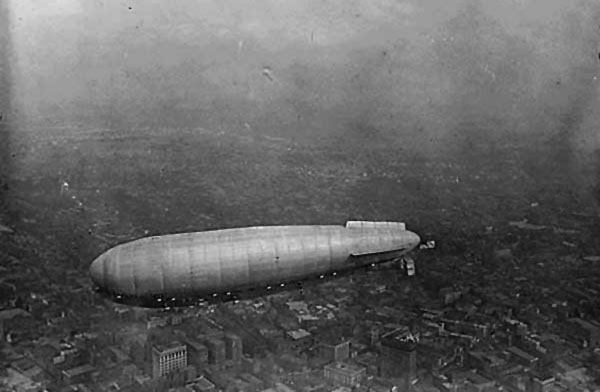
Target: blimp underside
239, 259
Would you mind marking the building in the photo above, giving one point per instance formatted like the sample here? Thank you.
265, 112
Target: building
117, 355
255, 382
176, 319
216, 351
335, 352
478, 383
448, 295
542, 382
486, 363
156, 322
369, 361
137, 350
586, 332
201, 384
11, 321
166, 360
299, 339
343, 373
197, 353
399, 354
78, 374
374, 335
521, 357
233, 347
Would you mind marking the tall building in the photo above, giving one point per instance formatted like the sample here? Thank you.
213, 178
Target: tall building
233, 347
168, 359
197, 353
399, 354
216, 351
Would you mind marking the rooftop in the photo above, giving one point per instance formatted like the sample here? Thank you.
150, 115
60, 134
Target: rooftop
79, 370
298, 334
345, 367
165, 349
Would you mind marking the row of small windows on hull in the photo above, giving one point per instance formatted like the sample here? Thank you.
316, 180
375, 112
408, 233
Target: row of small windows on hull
161, 301
223, 297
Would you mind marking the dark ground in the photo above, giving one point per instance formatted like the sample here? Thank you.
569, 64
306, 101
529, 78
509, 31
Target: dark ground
158, 181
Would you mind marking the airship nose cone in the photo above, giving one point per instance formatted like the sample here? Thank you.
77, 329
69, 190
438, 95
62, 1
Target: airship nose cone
97, 271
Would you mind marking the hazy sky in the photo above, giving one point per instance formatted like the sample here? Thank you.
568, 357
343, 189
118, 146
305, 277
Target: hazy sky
413, 70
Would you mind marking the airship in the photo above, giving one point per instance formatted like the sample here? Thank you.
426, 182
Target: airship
218, 262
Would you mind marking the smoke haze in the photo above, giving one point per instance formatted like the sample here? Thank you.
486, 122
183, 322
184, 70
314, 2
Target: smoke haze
418, 78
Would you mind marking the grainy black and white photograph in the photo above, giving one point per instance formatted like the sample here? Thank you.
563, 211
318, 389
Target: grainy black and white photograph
299, 195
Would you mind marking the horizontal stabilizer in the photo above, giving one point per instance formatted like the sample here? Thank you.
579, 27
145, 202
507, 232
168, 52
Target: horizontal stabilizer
375, 225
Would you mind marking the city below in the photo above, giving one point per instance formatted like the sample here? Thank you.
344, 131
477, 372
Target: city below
496, 325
